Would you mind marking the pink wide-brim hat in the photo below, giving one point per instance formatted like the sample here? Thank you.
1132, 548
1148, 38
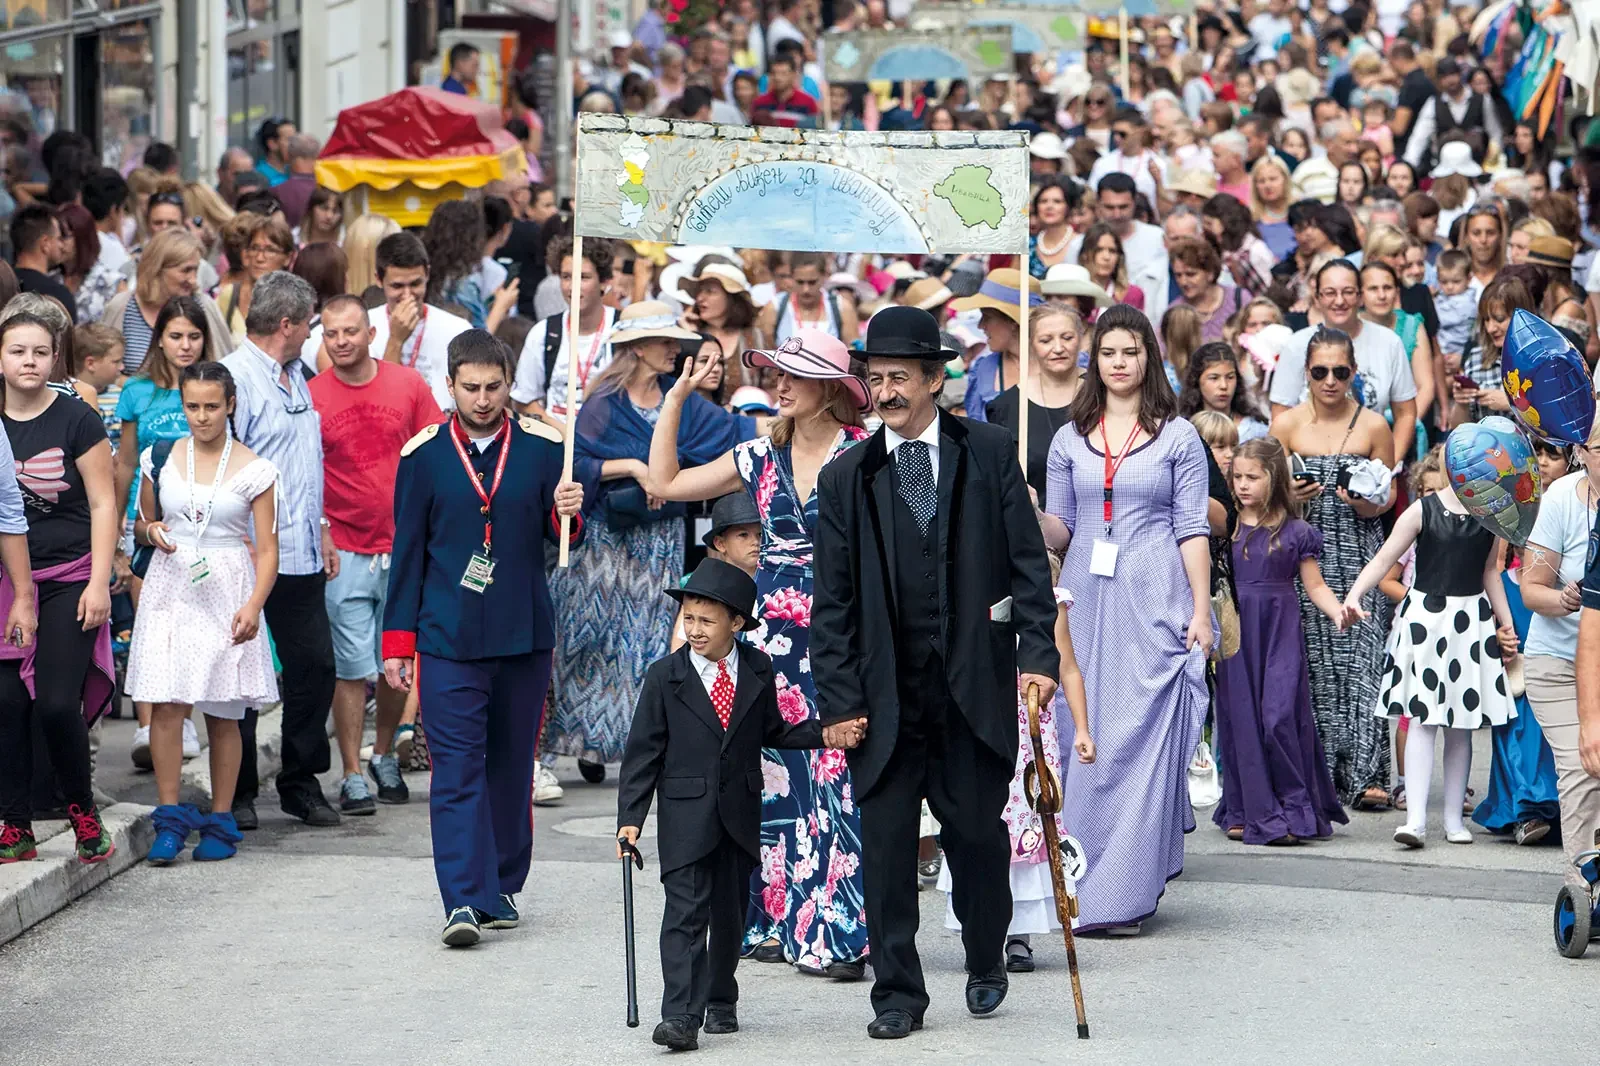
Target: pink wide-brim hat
811, 353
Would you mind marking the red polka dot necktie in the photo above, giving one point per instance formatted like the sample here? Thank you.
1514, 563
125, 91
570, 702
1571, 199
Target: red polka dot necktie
722, 693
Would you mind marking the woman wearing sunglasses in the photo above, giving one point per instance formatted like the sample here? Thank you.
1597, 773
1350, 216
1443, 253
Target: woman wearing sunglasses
1327, 432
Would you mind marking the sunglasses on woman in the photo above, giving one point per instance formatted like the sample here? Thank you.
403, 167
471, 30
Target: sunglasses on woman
1340, 373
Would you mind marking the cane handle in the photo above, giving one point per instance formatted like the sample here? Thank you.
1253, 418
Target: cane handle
1038, 782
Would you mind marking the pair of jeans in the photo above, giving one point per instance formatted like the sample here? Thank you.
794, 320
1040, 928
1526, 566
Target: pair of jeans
297, 617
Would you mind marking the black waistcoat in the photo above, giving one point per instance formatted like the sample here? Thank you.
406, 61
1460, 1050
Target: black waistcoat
916, 563
1445, 122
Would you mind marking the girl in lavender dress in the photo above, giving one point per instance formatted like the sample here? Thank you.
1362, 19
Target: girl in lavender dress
806, 899
1140, 567
1277, 789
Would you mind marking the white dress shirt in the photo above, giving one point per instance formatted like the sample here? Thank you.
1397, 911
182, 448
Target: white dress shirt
929, 436
707, 668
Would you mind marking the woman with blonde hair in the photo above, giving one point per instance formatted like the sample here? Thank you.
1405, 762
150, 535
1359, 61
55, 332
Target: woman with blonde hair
1180, 336
1522, 235
1269, 204
168, 267
264, 244
143, 183
361, 239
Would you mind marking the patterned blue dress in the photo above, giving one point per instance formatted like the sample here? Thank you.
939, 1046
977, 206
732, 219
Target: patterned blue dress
807, 892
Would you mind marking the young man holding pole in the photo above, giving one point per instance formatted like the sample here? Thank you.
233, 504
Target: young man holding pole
467, 598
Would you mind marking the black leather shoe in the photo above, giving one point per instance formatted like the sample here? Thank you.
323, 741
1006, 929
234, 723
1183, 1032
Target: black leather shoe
244, 814
312, 808
679, 1034
593, 772
893, 1024
845, 971
771, 951
720, 1020
987, 991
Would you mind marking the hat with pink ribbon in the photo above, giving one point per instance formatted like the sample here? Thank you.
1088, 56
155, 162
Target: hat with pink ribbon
811, 353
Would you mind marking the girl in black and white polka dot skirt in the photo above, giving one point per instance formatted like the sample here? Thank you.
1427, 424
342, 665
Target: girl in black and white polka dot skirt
1442, 666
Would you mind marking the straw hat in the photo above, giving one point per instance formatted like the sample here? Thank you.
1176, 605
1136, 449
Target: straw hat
1194, 182
1550, 251
649, 318
1315, 179
1001, 291
730, 277
900, 270
1046, 146
1070, 279
927, 293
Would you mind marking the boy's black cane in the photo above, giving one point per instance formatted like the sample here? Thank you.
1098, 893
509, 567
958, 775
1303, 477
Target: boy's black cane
630, 854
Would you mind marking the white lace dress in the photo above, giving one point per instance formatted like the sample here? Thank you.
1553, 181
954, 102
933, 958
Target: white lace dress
183, 650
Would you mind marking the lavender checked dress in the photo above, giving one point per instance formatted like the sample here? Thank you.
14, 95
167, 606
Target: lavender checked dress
1147, 694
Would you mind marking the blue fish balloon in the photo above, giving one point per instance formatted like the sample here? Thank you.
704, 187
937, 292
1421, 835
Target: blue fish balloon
1492, 469
1547, 381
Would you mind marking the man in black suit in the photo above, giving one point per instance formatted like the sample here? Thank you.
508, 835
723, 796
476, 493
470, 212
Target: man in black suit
932, 589
696, 738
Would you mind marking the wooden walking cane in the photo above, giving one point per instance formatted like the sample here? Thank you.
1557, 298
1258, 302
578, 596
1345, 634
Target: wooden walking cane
1039, 784
630, 854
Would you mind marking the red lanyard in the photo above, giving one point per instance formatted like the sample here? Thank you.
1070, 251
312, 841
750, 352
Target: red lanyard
576, 389
1113, 467
459, 440
422, 327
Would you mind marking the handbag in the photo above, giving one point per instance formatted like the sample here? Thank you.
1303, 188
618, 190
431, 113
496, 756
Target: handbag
1205, 789
1227, 619
628, 506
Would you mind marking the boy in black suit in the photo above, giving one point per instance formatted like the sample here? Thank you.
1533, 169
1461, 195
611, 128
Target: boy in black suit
705, 712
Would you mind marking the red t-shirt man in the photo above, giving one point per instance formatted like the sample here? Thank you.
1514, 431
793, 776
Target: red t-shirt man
363, 429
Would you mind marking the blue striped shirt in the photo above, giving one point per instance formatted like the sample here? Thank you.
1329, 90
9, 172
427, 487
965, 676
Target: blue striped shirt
279, 424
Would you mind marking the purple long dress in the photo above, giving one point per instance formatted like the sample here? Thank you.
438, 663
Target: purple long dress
1147, 694
1275, 779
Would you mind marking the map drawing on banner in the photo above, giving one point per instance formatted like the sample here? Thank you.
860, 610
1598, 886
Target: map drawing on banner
802, 190
1034, 29
904, 55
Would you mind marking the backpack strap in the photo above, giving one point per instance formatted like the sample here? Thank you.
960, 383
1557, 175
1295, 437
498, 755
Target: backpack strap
833, 310
553, 327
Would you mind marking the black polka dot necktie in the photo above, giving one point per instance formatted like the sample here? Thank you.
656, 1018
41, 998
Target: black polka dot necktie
916, 482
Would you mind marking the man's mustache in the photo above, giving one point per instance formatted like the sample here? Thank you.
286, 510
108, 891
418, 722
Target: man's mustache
893, 403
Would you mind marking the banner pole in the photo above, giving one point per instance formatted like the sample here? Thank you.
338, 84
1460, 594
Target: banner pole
1122, 28
574, 388
1024, 350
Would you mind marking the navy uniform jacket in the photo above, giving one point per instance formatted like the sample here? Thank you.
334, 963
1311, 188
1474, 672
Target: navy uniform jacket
438, 525
709, 778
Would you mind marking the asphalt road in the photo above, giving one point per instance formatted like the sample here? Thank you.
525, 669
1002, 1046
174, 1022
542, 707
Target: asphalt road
320, 946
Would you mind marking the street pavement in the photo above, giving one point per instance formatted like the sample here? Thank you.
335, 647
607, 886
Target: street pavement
321, 946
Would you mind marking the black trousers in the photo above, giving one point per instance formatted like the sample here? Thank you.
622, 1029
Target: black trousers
710, 893
937, 757
55, 708
297, 614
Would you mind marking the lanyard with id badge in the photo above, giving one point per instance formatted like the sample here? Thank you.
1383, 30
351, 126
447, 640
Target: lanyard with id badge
200, 570
1103, 560
479, 574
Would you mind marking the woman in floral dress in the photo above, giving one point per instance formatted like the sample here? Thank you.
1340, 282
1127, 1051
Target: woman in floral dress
806, 905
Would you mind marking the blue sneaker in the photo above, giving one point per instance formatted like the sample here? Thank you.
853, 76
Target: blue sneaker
219, 838
506, 917
461, 928
174, 823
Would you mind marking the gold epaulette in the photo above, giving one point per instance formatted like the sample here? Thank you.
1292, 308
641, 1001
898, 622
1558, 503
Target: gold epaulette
540, 428
419, 440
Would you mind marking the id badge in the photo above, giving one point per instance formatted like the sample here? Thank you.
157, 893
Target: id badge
199, 571
1103, 561
479, 575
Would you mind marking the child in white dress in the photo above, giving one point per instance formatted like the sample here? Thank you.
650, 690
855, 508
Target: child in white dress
197, 640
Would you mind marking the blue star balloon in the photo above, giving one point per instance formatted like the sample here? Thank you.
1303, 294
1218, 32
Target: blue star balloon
1492, 469
1547, 381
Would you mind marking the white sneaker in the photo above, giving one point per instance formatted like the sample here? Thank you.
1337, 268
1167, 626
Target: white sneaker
547, 790
191, 740
141, 748
1458, 836
1411, 837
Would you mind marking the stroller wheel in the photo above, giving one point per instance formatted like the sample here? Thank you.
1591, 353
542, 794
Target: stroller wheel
1572, 923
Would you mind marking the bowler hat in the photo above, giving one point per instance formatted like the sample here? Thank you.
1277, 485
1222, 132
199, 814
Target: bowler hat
734, 509
905, 333
723, 582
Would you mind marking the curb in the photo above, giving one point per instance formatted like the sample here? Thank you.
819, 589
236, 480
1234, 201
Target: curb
32, 891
